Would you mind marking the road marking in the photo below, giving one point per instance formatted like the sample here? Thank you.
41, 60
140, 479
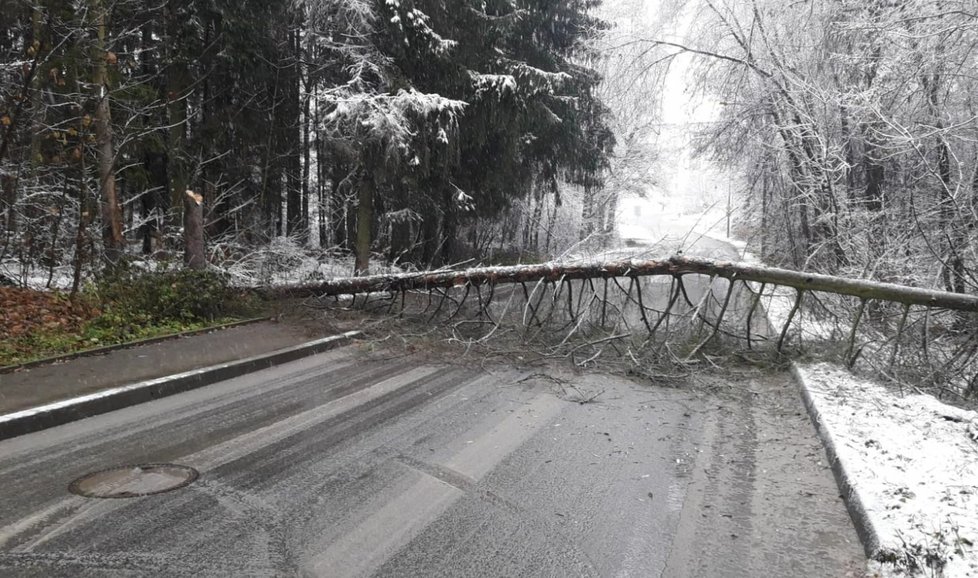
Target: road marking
215, 456
236, 448
363, 549
484, 453
27, 522
85, 510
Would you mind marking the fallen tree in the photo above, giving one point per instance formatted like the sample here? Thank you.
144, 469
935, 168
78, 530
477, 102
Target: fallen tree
676, 266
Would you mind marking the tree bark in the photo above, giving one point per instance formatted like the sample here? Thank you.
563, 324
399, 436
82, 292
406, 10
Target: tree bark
449, 226
177, 83
112, 239
194, 256
306, 157
84, 218
611, 214
674, 266
365, 214
587, 212
292, 138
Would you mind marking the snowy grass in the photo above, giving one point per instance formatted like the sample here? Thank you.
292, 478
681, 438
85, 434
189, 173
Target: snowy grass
283, 261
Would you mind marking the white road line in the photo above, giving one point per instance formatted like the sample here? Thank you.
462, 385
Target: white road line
483, 454
215, 456
27, 522
364, 548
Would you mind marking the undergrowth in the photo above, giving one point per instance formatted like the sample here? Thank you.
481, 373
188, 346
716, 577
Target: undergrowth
121, 306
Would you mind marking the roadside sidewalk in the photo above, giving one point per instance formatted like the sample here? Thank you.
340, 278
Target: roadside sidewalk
33, 387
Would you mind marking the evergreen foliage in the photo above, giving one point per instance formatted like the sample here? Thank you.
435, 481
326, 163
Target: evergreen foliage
365, 124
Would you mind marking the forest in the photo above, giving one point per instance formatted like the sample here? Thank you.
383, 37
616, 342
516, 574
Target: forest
853, 124
423, 133
400, 128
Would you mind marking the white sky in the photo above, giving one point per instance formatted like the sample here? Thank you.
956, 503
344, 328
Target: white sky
689, 187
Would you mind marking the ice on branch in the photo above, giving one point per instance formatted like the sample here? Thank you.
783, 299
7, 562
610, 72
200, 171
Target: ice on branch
350, 18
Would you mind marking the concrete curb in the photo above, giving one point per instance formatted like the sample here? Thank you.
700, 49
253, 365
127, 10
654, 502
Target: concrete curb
62, 412
857, 512
127, 345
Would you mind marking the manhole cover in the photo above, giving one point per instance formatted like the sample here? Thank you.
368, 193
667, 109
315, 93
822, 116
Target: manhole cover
133, 481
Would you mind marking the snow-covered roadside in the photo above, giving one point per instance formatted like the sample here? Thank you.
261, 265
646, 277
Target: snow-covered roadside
908, 462
38, 278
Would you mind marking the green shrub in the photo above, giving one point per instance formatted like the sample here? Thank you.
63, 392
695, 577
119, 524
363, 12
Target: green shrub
127, 304
181, 296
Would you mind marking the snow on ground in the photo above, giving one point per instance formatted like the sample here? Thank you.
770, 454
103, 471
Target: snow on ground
281, 262
778, 303
36, 277
912, 461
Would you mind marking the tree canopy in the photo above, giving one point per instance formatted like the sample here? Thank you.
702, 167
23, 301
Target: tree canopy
369, 125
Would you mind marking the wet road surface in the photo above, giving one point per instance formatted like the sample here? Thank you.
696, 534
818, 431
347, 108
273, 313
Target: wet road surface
353, 464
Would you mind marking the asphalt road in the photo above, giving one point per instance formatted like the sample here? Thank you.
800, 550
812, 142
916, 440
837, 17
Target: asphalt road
345, 464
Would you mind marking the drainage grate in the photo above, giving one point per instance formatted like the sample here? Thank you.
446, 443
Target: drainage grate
133, 481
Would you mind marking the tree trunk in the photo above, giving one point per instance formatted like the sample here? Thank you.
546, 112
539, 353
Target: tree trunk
875, 175
847, 148
365, 215
537, 221
874, 197
429, 234
764, 212
449, 227
194, 256
673, 266
587, 212
177, 83
291, 138
611, 213
338, 207
8, 194
84, 218
270, 197
954, 269
306, 160
551, 222
111, 210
